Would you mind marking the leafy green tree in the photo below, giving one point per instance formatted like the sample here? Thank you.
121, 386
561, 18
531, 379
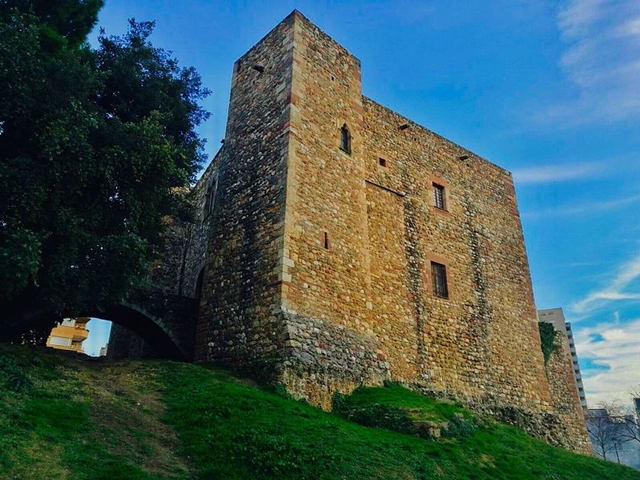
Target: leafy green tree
63, 21
96, 148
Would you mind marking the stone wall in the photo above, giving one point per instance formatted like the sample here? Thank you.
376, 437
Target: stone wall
566, 400
484, 337
326, 231
179, 270
198, 234
240, 316
165, 323
321, 358
123, 343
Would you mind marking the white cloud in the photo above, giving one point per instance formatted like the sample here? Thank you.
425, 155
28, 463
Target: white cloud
629, 29
602, 58
575, 19
609, 348
609, 353
574, 209
623, 286
557, 173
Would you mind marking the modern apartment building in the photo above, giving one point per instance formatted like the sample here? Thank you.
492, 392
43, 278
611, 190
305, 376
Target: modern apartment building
69, 334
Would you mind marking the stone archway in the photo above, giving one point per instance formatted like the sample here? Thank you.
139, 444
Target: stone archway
145, 326
165, 323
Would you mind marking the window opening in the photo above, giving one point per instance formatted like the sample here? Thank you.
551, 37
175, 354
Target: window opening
345, 139
325, 240
438, 196
382, 162
439, 280
210, 198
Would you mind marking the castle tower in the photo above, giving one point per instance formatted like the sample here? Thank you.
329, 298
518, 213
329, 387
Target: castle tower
287, 274
350, 245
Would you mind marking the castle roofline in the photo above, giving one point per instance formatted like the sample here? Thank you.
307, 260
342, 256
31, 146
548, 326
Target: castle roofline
297, 16
462, 150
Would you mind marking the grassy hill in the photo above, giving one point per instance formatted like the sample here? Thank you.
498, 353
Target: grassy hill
71, 417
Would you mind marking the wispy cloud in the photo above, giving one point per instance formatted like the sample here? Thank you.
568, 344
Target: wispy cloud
608, 354
602, 58
573, 209
557, 173
624, 285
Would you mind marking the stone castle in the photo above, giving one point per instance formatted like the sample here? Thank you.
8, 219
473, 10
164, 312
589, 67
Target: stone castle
342, 244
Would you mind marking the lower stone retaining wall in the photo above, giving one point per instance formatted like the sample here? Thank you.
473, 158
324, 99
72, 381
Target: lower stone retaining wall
321, 358
551, 427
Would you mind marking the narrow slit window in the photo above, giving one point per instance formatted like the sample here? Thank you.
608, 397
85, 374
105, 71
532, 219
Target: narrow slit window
439, 197
439, 280
210, 198
345, 139
325, 240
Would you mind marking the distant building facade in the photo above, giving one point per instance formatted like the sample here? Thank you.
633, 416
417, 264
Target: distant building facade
614, 435
555, 316
69, 334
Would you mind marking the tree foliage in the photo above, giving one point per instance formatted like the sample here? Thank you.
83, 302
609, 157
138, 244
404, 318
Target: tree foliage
609, 428
548, 342
61, 21
96, 147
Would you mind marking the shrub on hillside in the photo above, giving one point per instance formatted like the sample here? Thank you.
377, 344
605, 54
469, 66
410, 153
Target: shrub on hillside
374, 415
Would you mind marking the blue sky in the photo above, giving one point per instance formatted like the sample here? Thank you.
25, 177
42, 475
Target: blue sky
549, 90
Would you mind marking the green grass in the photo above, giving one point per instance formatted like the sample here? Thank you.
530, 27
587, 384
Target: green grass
67, 417
62, 417
416, 407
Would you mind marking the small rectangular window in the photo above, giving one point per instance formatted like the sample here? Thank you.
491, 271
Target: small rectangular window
382, 162
439, 280
438, 196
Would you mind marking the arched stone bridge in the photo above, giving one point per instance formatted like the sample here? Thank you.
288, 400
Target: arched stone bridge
153, 325
159, 323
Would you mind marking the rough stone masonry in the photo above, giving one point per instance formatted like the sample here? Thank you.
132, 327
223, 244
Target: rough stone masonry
342, 244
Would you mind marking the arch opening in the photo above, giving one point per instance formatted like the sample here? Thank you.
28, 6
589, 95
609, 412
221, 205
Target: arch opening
82, 335
140, 331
